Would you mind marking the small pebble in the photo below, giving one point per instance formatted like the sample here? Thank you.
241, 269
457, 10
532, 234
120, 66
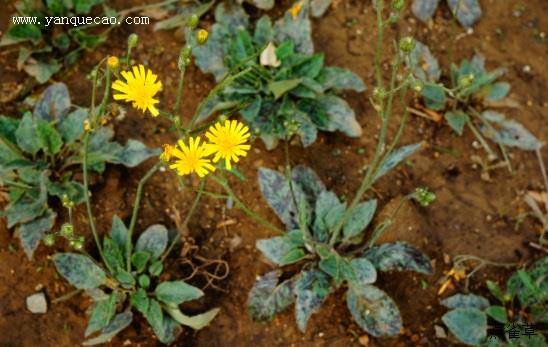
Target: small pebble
440, 332
37, 303
364, 340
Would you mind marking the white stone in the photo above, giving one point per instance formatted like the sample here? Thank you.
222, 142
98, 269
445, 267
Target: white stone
37, 303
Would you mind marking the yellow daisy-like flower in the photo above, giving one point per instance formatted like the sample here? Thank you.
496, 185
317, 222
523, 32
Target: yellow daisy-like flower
191, 158
140, 89
228, 141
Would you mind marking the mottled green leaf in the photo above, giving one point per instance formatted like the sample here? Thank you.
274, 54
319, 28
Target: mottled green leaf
509, 132
296, 29
54, 103
396, 157
8, 126
341, 116
364, 272
28, 207
26, 136
360, 218
498, 91
311, 289
74, 190
319, 7
469, 325
176, 292
340, 79
140, 300
398, 256
283, 250
423, 63
196, 322
465, 301
373, 310
328, 212
153, 240
72, 126
42, 70
32, 232
263, 31
118, 323
339, 268
468, 12
113, 254
269, 297
134, 153
79, 270
119, 233
308, 181
424, 9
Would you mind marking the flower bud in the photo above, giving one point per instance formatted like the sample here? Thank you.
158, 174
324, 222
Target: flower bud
67, 203
144, 281
398, 5
132, 40
379, 93
222, 118
201, 36
49, 240
407, 44
193, 21
424, 197
417, 85
113, 63
167, 153
186, 51
466, 80
87, 125
67, 230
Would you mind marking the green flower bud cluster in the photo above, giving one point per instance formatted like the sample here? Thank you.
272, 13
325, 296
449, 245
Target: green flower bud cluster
66, 232
424, 197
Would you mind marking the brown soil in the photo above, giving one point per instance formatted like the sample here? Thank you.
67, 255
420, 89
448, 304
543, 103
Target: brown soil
470, 216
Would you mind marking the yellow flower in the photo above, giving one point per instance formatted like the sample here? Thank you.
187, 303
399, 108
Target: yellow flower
191, 158
167, 153
228, 141
295, 9
140, 88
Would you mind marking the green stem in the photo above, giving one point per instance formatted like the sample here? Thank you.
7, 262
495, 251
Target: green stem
134, 214
452, 39
16, 184
378, 52
187, 218
179, 89
480, 138
243, 207
88, 202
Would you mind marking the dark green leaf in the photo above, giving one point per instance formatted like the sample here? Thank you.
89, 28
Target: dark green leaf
84, 6
79, 270
311, 289
50, 140
498, 313
469, 325
119, 232
457, 120
434, 96
113, 254
373, 310
328, 212
140, 300
125, 278
8, 126
74, 190
102, 313
263, 31
177, 292
268, 297
498, 91
495, 290
21, 32
398, 256
140, 260
339, 268
28, 208
279, 88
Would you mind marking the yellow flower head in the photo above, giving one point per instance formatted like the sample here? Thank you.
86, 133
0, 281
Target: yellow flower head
140, 88
113, 62
295, 9
167, 154
228, 141
191, 158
